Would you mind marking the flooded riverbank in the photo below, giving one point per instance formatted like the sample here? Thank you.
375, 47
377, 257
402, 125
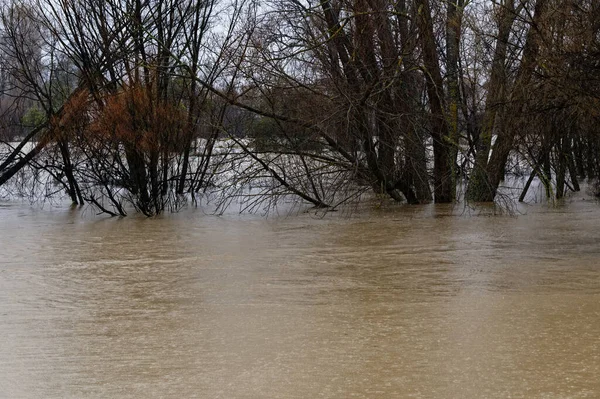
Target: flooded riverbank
415, 301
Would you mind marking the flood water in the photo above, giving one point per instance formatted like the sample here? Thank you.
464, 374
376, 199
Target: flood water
410, 302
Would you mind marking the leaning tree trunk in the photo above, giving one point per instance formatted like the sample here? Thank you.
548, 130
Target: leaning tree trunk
74, 192
520, 94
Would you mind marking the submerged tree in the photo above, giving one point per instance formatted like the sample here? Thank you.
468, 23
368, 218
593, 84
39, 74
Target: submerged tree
148, 104
137, 63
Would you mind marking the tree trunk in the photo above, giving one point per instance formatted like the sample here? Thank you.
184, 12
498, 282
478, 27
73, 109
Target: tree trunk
453, 28
138, 184
415, 158
479, 189
72, 185
505, 138
442, 172
560, 168
578, 156
592, 150
528, 184
11, 171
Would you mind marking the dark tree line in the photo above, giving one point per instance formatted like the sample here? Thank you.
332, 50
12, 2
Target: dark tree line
151, 103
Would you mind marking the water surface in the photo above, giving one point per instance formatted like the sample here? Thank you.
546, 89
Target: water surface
410, 302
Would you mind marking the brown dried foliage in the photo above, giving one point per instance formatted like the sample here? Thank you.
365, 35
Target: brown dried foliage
134, 118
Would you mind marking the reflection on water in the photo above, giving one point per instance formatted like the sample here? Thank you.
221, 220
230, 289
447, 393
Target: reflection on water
421, 302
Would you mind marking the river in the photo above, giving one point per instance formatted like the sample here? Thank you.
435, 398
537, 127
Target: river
407, 302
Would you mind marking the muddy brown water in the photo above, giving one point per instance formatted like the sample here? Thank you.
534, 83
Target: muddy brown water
410, 302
